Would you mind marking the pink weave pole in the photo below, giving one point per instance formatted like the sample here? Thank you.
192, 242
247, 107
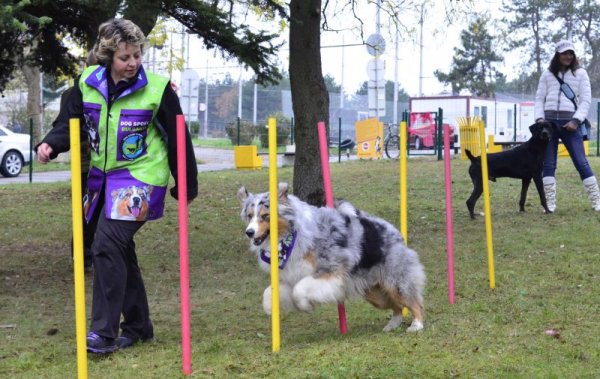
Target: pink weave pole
184, 275
449, 224
329, 202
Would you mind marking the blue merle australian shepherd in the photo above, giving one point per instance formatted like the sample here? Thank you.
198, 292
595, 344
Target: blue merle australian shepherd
327, 255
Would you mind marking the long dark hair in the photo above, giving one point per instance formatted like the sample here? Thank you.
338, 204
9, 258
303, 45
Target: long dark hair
555, 64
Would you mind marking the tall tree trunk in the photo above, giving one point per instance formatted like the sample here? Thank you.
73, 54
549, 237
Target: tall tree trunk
310, 99
34, 105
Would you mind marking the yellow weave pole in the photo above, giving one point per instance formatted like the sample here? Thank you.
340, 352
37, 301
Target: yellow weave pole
403, 191
274, 233
76, 198
403, 186
486, 201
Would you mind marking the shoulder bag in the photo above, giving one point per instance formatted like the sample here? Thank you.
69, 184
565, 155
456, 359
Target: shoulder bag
585, 127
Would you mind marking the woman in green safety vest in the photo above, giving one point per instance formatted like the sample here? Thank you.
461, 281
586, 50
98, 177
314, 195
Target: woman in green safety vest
129, 116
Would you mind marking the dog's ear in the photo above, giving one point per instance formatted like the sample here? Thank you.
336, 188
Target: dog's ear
536, 127
114, 193
283, 193
242, 194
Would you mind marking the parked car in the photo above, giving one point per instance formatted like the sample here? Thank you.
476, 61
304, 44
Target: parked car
14, 152
422, 131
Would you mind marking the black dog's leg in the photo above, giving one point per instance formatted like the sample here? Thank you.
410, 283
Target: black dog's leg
524, 188
539, 185
472, 200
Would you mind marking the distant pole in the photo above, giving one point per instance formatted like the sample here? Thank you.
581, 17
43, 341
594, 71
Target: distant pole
187, 61
342, 81
515, 123
378, 29
206, 103
255, 109
395, 114
421, 53
30, 150
189, 110
240, 94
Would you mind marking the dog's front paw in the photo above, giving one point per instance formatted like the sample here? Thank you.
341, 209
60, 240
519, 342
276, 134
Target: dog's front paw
394, 323
415, 326
301, 301
304, 305
267, 301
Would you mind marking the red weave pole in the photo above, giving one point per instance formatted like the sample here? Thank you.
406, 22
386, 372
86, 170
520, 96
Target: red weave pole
186, 346
329, 202
449, 223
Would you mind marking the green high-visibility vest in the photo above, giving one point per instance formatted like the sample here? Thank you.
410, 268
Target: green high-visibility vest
128, 151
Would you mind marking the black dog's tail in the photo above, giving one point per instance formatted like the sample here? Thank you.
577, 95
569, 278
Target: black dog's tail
471, 157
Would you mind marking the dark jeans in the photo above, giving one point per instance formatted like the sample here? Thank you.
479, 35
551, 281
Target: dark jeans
118, 285
573, 142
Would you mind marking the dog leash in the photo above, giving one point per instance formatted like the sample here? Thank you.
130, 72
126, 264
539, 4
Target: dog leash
284, 251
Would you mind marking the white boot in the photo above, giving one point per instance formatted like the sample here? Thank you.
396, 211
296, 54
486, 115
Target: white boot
591, 187
550, 191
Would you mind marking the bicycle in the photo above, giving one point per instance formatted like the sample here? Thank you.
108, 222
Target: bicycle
391, 143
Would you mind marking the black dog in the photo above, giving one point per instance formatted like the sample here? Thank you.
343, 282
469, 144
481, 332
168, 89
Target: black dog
523, 162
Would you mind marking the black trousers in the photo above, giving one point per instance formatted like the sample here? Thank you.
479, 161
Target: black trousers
88, 232
118, 286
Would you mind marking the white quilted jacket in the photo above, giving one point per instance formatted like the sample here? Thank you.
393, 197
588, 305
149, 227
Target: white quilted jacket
549, 97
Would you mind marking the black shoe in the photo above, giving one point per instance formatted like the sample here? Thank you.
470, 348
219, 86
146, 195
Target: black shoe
100, 345
124, 341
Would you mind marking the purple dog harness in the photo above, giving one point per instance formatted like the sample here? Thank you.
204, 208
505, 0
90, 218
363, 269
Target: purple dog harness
284, 251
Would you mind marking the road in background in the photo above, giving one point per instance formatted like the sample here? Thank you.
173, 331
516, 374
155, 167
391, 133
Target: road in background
212, 160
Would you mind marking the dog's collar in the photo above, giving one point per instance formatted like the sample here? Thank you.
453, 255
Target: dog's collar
284, 250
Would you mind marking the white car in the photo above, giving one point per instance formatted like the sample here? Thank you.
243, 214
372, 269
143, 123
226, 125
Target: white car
14, 152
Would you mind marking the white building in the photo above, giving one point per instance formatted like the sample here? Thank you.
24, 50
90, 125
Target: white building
505, 119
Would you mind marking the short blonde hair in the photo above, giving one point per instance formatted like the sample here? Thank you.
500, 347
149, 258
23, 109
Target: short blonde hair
111, 33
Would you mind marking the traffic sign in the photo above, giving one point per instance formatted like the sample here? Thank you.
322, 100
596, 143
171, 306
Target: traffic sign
375, 45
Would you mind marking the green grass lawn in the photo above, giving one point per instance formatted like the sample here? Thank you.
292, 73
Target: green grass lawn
546, 271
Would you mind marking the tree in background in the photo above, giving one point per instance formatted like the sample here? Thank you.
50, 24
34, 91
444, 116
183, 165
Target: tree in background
528, 32
533, 26
38, 36
472, 65
586, 20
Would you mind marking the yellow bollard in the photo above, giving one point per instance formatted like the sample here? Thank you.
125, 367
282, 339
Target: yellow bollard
76, 198
487, 208
274, 233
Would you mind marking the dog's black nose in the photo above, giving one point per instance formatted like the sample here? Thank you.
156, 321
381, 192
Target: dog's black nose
250, 233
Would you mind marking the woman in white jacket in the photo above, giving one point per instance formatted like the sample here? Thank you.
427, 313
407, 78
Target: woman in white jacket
551, 104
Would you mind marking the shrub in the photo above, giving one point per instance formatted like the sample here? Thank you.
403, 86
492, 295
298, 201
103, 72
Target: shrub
284, 131
247, 132
194, 127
